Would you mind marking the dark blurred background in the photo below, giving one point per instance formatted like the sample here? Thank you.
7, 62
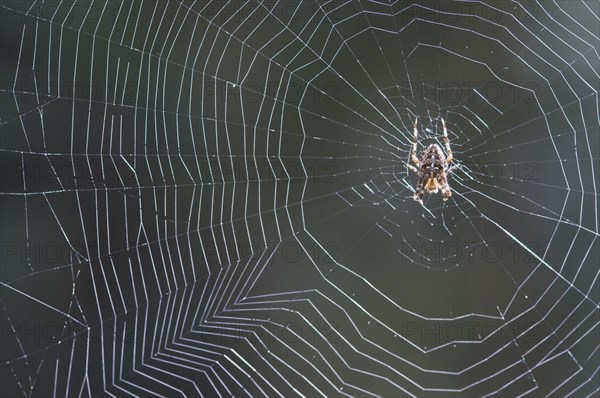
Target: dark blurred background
212, 198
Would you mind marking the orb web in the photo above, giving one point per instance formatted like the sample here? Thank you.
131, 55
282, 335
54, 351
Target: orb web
212, 199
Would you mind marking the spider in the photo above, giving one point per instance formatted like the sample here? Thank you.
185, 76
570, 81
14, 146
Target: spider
432, 168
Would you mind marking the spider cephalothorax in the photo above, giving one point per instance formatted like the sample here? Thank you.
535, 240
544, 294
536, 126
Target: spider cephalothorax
433, 167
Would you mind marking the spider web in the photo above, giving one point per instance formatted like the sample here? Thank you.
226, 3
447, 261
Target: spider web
212, 199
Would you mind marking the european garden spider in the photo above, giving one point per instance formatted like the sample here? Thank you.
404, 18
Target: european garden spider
433, 167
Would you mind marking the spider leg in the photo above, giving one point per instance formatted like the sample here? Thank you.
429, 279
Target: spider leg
414, 148
418, 196
412, 168
447, 142
446, 192
452, 168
